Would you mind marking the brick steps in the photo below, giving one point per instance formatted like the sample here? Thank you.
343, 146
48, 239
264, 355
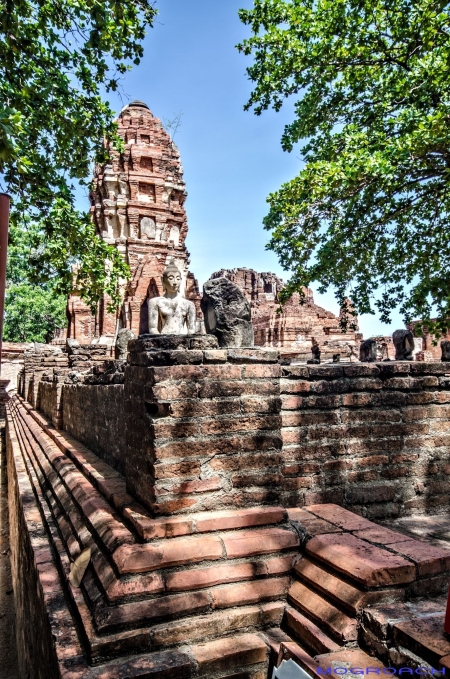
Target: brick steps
201, 580
333, 621
112, 620
219, 658
340, 592
412, 631
373, 557
113, 487
243, 656
307, 633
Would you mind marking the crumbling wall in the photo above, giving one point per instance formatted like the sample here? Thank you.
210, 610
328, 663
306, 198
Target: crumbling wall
199, 429
39, 360
12, 362
203, 428
296, 325
50, 401
374, 438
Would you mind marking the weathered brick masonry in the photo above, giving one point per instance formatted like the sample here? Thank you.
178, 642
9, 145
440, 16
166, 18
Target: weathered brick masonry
226, 446
204, 428
374, 438
194, 430
201, 595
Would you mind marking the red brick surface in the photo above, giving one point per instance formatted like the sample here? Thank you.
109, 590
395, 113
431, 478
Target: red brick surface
230, 653
308, 633
142, 558
351, 657
263, 541
232, 550
430, 560
348, 596
250, 592
364, 563
425, 637
337, 623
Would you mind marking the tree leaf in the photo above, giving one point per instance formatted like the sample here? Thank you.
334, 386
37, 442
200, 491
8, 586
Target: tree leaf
78, 567
367, 215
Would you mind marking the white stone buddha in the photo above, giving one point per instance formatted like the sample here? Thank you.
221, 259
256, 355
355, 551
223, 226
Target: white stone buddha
171, 314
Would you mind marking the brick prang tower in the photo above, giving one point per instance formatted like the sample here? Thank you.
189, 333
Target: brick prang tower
137, 205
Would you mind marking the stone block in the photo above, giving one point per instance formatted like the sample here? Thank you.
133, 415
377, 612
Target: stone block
361, 562
261, 541
309, 633
249, 592
180, 551
226, 654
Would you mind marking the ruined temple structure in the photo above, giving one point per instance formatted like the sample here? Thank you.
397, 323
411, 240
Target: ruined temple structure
430, 347
196, 511
137, 205
293, 329
230, 508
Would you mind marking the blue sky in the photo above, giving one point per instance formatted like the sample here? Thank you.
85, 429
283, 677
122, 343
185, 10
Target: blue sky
232, 159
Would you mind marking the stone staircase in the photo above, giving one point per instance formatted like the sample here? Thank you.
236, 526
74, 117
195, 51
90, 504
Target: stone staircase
220, 594
348, 597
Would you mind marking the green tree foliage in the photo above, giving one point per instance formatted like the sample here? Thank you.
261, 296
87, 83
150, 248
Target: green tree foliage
32, 312
369, 209
57, 58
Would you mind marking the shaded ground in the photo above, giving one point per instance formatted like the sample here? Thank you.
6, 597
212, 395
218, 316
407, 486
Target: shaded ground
8, 653
434, 527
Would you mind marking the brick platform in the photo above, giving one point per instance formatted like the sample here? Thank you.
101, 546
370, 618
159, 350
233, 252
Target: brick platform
197, 429
209, 594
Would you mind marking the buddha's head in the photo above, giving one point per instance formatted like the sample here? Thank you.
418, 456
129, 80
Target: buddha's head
171, 278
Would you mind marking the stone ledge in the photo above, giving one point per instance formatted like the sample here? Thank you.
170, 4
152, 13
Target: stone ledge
383, 370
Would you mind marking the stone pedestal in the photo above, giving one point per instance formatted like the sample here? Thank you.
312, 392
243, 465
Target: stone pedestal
203, 424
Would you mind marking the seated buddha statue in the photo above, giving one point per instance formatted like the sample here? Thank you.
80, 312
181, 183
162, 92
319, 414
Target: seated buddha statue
171, 314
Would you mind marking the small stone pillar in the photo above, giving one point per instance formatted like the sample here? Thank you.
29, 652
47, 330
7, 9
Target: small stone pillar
404, 345
445, 349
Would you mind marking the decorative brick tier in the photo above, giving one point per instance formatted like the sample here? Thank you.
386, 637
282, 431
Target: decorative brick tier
197, 595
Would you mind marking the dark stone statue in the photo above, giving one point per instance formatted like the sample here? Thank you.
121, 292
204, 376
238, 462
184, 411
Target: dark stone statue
227, 313
445, 348
121, 349
368, 351
315, 350
404, 345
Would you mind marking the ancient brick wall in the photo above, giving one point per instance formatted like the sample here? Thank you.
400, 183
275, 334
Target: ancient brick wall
374, 438
50, 402
38, 361
203, 428
94, 414
199, 429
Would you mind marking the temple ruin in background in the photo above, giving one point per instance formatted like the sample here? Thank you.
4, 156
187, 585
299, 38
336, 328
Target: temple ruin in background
295, 327
137, 205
